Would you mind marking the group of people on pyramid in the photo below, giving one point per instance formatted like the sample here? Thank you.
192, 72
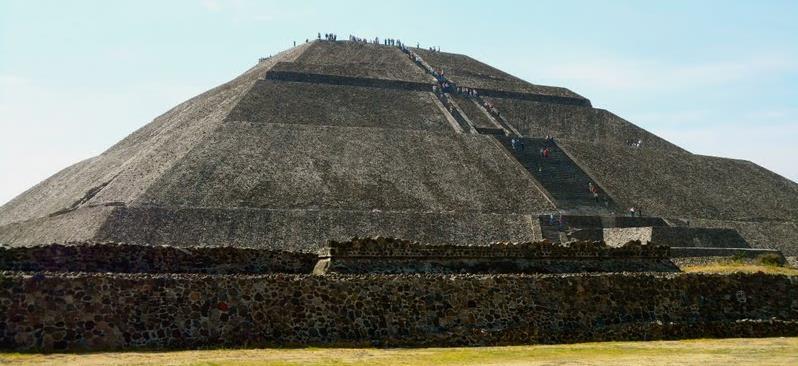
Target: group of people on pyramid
329, 36
491, 108
391, 42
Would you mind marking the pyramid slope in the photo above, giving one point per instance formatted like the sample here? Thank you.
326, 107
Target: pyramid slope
688, 185
331, 140
359, 59
280, 166
578, 123
468, 72
335, 105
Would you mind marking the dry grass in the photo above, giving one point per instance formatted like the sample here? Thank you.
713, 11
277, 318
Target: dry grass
740, 267
726, 352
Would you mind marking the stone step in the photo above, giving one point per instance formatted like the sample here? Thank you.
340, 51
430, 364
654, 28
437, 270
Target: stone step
560, 176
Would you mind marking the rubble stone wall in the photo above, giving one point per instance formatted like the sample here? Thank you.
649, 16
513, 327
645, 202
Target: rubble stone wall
485, 265
125, 258
393, 256
61, 311
391, 247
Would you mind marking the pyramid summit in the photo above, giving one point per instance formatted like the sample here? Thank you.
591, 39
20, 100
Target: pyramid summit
334, 139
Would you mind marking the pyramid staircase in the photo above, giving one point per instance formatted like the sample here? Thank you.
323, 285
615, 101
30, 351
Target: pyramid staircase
560, 176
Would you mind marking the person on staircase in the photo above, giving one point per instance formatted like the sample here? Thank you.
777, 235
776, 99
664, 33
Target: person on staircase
593, 190
561, 224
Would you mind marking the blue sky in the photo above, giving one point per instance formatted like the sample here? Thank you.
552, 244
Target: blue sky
716, 77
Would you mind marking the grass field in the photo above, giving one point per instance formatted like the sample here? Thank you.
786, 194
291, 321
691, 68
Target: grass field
705, 352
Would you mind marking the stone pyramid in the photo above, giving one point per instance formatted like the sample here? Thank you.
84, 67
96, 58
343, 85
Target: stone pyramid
330, 140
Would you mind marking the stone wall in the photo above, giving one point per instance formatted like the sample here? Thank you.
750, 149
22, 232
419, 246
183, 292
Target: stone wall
676, 237
125, 258
390, 247
387, 255
122, 311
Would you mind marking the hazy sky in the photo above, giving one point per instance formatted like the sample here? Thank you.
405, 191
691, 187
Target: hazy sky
715, 77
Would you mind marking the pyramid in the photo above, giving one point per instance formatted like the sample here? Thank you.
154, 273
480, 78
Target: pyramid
330, 140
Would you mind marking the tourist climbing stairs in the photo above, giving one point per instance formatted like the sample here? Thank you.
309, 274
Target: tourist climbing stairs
560, 176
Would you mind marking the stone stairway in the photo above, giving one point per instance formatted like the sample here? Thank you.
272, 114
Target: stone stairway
561, 177
558, 174
497, 117
454, 112
445, 98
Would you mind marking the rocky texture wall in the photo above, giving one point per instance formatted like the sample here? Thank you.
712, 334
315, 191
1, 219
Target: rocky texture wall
287, 102
676, 237
581, 123
121, 311
387, 255
125, 258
